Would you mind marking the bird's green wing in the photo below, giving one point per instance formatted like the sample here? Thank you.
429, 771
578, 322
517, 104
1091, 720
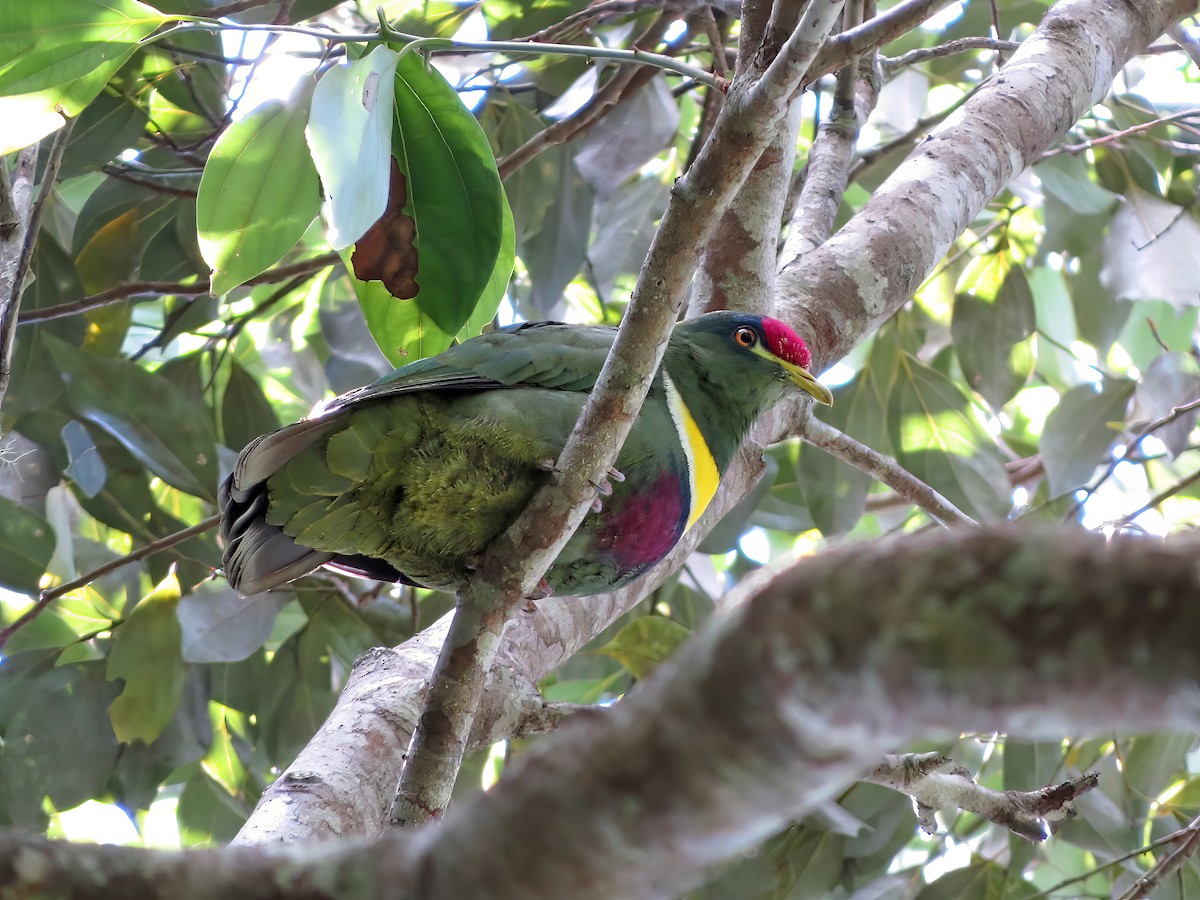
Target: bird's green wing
539, 354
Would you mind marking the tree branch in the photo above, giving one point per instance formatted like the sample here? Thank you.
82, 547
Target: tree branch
884, 469
872, 265
49, 596
1030, 814
509, 571
196, 288
14, 265
811, 674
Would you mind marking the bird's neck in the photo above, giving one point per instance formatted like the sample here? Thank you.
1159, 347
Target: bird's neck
722, 416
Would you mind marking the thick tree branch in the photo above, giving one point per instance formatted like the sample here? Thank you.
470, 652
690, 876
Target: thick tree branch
807, 678
873, 34
512, 566
870, 268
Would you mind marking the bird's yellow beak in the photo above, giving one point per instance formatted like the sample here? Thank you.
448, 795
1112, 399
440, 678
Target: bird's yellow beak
807, 382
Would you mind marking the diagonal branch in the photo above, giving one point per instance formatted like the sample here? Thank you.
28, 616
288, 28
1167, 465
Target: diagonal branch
885, 470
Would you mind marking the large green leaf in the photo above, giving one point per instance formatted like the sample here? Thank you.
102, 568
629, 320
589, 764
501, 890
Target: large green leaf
26, 545
46, 44
259, 192
936, 436
220, 625
59, 742
1080, 430
145, 652
151, 417
55, 58
835, 492
645, 643
993, 320
454, 194
349, 133
402, 328
245, 411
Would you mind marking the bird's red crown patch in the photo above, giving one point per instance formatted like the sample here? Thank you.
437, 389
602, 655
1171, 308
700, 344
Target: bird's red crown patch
785, 343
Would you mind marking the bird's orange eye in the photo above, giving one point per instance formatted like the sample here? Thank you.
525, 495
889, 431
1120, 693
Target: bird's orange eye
746, 337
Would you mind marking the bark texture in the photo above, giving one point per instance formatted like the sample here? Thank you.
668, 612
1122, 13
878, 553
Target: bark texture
842, 291
808, 676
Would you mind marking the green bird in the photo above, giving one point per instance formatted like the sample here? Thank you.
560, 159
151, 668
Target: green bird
410, 478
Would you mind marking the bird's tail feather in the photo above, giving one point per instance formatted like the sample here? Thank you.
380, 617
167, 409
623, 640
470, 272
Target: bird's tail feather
258, 556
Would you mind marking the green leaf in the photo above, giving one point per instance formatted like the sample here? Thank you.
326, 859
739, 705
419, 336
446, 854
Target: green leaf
59, 743
297, 696
454, 194
979, 881
55, 58
209, 814
1172, 379
47, 44
936, 437
403, 330
259, 192
220, 625
555, 253
1080, 430
1066, 177
993, 320
151, 417
530, 189
86, 468
145, 652
26, 545
497, 286
349, 133
835, 492
245, 411
110, 125
645, 643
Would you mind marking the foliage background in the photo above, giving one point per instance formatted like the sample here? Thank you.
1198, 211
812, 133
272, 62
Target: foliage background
1038, 373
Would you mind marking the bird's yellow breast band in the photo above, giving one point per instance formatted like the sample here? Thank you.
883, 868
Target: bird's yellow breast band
703, 477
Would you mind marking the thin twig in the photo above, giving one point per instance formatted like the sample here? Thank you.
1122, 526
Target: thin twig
1162, 495
884, 469
1169, 864
9, 219
1076, 149
49, 596
196, 288
892, 64
596, 12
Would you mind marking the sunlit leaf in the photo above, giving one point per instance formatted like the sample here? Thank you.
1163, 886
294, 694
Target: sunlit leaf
259, 192
350, 135
1080, 430
145, 653
645, 643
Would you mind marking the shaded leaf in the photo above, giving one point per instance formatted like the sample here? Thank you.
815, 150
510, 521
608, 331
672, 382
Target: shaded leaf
979, 881
86, 468
145, 653
553, 255
111, 124
59, 743
245, 411
628, 137
259, 192
208, 814
219, 625
1150, 252
936, 437
645, 643
148, 415
1080, 430
993, 319
26, 545
296, 696
1172, 379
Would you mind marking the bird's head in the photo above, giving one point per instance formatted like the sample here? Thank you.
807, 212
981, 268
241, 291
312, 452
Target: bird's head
756, 342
